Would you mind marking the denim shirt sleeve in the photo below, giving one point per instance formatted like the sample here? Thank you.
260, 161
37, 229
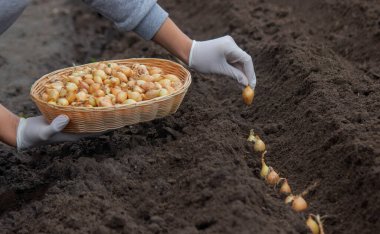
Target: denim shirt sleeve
10, 11
145, 17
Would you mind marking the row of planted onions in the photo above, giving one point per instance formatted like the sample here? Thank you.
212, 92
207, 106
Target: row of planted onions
272, 177
110, 84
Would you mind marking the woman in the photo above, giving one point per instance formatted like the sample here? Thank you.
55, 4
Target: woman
151, 22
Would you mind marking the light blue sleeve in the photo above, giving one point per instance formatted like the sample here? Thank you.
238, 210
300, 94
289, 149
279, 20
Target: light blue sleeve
145, 17
10, 11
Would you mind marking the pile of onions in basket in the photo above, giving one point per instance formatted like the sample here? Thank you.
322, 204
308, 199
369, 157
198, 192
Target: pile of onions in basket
109, 84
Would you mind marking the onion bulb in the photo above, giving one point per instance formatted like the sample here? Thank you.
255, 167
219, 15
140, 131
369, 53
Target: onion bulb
259, 145
131, 83
92, 101
140, 69
121, 97
53, 94
123, 85
63, 102
107, 82
89, 81
135, 96
81, 96
126, 70
115, 81
45, 97
299, 204
100, 73
94, 87
105, 103
138, 89
273, 177
154, 70
108, 70
156, 77
140, 82
107, 89
115, 91
88, 77
148, 86
63, 92
71, 87
163, 92
248, 94
172, 77
285, 188
264, 168
121, 76
112, 98
75, 79
129, 101
58, 85
313, 226
158, 85
98, 79
71, 97
152, 94
99, 93
165, 83
83, 85
114, 66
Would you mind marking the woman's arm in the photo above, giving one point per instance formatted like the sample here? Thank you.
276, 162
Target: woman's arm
8, 126
218, 56
174, 40
150, 21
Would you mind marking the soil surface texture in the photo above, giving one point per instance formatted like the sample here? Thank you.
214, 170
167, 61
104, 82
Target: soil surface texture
317, 107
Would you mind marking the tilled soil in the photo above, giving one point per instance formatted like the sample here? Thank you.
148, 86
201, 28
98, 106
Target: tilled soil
317, 107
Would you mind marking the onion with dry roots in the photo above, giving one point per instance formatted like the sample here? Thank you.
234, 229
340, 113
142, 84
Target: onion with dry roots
312, 225
299, 204
110, 84
285, 188
264, 168
272, 178
315, 224
259, 145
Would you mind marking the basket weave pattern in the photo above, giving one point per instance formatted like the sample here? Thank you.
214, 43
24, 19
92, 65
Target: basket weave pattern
99, 119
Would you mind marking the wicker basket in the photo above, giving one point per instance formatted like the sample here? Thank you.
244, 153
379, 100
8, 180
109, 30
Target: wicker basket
99, 119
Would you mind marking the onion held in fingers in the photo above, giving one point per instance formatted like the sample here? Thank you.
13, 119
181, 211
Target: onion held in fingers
248, 95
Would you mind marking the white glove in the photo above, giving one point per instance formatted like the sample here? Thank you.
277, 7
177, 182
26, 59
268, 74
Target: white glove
222, 56
36, 131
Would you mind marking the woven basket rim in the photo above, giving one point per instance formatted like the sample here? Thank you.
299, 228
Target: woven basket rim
35, 97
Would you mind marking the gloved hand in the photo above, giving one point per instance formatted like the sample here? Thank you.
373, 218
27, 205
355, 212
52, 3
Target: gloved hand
223, 56
36, 131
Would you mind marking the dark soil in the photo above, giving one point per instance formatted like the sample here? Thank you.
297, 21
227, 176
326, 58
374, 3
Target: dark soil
317, 107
